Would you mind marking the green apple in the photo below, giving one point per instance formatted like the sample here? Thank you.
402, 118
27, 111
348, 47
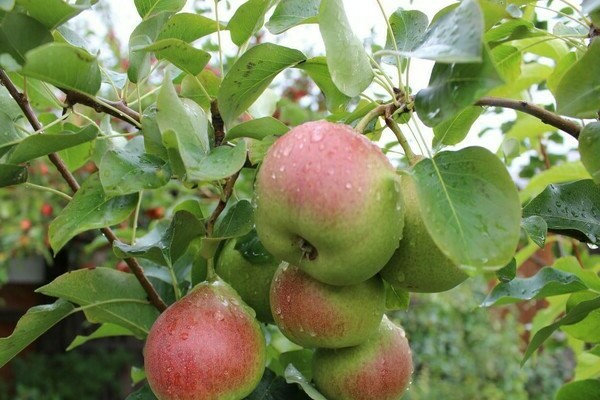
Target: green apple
208, 345
328, 200
314, 314
379, 369
249, 269
418, 265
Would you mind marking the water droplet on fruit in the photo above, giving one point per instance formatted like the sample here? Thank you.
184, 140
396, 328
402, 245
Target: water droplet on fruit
330, 171
359, 189
169, 369
282, 168
278, 311
348, 186
273, 176
218, 316
321, 146
301, 146
184, 336
288, 299
316, 136
288, 150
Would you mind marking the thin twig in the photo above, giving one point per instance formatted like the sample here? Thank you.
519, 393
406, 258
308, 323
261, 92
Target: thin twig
117, 109
547, 117
217, 122
227, 192
134, 266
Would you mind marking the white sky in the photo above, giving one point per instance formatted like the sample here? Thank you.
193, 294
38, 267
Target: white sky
367, 22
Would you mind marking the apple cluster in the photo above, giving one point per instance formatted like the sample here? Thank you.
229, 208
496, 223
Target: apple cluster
333, 220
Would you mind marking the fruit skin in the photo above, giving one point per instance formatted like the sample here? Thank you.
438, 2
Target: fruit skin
251, 281
418, 265
205, 346
327, 200
315, 314
379, 369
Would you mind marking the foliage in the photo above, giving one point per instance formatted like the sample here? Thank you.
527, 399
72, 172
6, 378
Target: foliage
157, 149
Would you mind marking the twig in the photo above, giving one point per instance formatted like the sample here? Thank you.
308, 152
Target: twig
217, 122
117, 109
134, 266
547, 117
227, 192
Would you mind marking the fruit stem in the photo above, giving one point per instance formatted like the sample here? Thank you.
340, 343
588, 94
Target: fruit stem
211, 274
412, 158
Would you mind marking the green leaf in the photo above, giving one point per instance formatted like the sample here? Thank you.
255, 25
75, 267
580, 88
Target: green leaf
143, 35
39, 94
153, 142
104, 331
273, 387
571, 209
568, 171
181, 54
53, 13
452, 87
578, 92
258, 129
562, 66
547, 282
149, 8
7, 5
571, 265
190, 88
90, 209
257, 149
237, 221
588, 329
292, 375
508, 272
9, 134
396, 298
508, 61
184, 126
455, 129
471, 205
588, 389
589, 149
251, 75
536, 228
38, 145
455, 37
248, 19
12, 175
64, 66
347, 59
318, 71
106, 296
32, 325
167, 242
20, 33
143, 393
576, 314
408, 27
291, 13
129, 170
188, 27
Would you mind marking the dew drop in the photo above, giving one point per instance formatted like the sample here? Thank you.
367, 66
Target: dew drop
273, 176
218, 316
316, 136
282, 168
348, 186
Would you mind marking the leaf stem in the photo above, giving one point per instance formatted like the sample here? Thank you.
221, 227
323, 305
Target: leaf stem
410, 155
47, 189
174, 279
219, 38
393, 40
136, 216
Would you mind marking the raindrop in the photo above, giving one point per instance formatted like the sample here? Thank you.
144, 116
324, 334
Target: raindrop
348, 186
316, 136
218, 316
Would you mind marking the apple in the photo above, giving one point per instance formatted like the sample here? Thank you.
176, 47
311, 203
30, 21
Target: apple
314, 314
207, 345
249, 269
379, 369
418, 265
328, 201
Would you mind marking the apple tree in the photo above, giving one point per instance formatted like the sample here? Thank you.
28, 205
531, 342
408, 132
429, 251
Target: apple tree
270, 274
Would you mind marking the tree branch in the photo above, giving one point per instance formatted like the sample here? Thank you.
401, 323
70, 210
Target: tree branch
227, 192
134, 266
117, 109
217, 122
544, 115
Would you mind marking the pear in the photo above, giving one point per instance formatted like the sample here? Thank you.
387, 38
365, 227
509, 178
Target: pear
379, 369
249, 269
327, 200
418, 265
314, 314
207, 345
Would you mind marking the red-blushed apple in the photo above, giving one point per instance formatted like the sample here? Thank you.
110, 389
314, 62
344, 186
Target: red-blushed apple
314, 314
418, 265
379, 369
207, 345
328, 201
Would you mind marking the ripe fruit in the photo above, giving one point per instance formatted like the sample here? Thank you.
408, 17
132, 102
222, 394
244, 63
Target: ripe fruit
46, 210
327, 200
25, 225
379, 369
205, 346
418, 265
248, 268
122, 266
315, 314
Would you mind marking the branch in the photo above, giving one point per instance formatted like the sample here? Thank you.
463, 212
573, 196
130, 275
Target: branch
134, 266
217, 122
227, 192
117, 109
547, 117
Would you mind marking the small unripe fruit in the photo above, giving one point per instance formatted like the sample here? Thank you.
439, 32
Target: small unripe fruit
205, 346
379, 369
47, 210
328, 201
314, 314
